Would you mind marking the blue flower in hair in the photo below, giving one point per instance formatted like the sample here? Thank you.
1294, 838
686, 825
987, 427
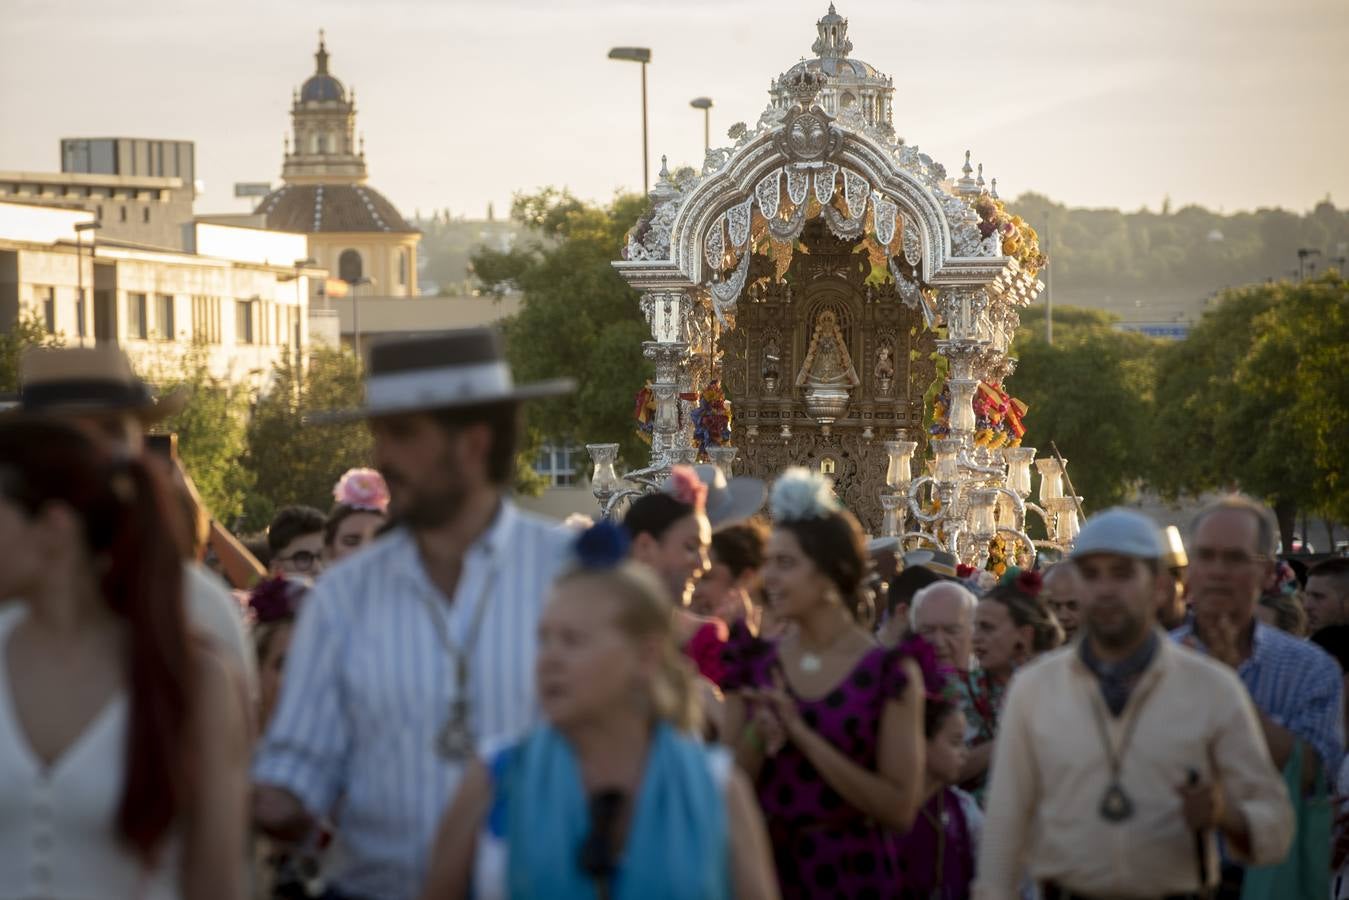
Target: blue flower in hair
602, 546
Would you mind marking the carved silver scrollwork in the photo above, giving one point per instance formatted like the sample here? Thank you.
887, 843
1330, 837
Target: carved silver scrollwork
789, 230
856, 190
798, 185
906, 287
824, 183
846, 229
885, 212
913, 245
738, 222
769, 192
714, 245
725, 293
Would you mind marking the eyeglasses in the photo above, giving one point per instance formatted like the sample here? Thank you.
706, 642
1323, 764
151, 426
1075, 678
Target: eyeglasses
301, 560
1230, 558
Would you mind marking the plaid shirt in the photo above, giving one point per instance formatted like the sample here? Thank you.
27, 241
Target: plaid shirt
1296, 684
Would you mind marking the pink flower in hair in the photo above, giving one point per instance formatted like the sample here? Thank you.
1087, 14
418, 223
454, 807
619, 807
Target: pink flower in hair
686, 487
363, 489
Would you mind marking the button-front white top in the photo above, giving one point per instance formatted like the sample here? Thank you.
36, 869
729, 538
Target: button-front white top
58, 837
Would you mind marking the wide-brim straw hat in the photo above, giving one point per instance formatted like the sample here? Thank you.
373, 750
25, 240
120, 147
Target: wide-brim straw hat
88, 380
449, 370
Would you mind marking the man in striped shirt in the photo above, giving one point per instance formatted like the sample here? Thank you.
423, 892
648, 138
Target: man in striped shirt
408, 655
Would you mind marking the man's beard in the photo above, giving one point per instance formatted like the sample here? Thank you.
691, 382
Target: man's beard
422, 509
1121, 634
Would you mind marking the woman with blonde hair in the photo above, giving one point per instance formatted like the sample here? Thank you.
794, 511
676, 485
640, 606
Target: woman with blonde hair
611, 797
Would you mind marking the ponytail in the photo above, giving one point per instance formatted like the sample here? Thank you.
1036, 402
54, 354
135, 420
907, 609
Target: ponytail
144, 585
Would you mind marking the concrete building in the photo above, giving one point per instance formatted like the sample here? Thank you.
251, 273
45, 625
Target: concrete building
142, 209
233, 292
354, 231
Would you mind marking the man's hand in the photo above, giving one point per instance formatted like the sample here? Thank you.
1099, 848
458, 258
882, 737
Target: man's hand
279, 814
1202, 805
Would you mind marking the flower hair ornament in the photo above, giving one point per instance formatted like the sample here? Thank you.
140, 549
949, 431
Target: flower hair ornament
686, 487
275, 599
603, 545
800, 493
363, 489
1026, 581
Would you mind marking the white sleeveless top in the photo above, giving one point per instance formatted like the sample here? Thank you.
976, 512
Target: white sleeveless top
58, 837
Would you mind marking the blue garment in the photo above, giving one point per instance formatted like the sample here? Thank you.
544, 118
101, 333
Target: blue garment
677, 846
368, 687
1296, 684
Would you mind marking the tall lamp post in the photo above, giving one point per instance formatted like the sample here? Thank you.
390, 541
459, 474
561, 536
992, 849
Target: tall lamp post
80, 229
1302, 254
639, 55
356, 312
705, 104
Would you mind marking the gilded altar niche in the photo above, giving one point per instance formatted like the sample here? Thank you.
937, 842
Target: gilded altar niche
823, 367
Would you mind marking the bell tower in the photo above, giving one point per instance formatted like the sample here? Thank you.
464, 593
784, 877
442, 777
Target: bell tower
323, 116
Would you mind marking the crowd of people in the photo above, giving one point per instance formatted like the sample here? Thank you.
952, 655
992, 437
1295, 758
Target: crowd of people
427, 692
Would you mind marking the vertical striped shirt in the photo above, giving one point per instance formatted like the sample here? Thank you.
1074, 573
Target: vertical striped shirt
368, 687
1298, 685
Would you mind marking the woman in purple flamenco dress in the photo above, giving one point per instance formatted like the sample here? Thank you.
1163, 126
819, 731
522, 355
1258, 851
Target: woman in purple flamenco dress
827, 723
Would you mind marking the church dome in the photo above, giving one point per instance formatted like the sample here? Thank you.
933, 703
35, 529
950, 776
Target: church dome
316, 208
321, 86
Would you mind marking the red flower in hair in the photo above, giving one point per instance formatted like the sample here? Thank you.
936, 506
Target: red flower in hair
1030, 583
964, 571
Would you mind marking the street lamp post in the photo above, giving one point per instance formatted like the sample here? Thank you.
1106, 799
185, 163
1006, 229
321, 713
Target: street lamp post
705, 104
1302, 254
639, 55
80, 229
356, 312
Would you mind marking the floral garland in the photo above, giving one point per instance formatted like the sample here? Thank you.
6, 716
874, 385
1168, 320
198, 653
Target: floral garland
999, 556
712, 418
998, 417
1019, 239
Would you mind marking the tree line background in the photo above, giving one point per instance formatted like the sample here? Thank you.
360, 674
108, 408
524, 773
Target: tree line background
1256, 399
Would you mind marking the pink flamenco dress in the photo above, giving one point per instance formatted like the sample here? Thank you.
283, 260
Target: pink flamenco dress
823, 846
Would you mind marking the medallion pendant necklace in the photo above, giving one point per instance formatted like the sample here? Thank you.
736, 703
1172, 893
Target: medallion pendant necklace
813, 661
1116, 805
456, 741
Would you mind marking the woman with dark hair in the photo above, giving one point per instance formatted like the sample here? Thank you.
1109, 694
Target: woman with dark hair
122, 742
360, 510
729, 588
1012, 625
670, 535
827, 723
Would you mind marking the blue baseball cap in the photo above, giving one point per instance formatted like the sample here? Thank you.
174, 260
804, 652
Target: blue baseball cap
1122, 532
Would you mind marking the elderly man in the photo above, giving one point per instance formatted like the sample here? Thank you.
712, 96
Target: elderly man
1117, 751
1063, 592
409, 654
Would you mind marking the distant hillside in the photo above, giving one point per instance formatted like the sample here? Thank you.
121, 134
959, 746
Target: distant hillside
1142, 266
1159, 266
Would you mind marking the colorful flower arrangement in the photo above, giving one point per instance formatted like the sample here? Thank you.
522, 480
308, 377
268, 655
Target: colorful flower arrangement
999, 556
712, 418
1019, 240
998, 417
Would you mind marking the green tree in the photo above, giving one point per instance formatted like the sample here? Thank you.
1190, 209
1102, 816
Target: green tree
577, 317
210, 430
1254, 400
1091, 393
293, 460
28, 331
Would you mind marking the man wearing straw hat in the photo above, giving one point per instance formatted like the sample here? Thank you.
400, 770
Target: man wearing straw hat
410, 654
95, 389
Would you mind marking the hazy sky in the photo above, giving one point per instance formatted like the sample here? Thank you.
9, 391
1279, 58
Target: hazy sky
1234, 104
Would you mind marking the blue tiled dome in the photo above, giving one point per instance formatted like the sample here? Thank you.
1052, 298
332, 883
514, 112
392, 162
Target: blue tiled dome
321, 88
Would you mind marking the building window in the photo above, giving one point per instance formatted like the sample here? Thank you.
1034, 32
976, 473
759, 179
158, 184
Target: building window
206, 319
557, 464
402, 266
48, 297
349, 266
99, 214
164, 316
243, 321
145, 215
121, 213
140, 316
